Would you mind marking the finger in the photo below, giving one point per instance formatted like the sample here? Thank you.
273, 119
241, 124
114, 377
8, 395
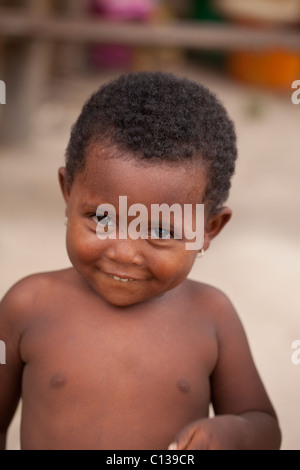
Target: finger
183, 439
198, 443
173, 446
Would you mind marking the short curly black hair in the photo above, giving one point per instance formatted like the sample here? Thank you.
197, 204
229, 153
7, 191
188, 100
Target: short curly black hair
159, 116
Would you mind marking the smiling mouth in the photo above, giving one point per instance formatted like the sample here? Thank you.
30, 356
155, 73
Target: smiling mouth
117, 278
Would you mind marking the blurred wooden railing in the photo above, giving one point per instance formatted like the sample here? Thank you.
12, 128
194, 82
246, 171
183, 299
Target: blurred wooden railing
192, 35
30, 32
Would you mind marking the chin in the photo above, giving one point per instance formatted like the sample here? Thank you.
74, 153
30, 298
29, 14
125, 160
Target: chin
119, 300
124, 300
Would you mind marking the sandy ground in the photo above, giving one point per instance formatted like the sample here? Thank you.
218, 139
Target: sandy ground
256, 260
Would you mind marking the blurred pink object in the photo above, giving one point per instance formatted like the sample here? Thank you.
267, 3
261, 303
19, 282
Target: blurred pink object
113, 55
124, 10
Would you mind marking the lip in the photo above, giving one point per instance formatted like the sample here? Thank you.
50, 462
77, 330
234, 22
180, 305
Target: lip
124, 276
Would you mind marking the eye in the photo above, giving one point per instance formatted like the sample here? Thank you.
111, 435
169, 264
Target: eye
161, 233
103, 219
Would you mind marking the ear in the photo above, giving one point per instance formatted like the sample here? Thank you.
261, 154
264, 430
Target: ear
215, 224
64, 184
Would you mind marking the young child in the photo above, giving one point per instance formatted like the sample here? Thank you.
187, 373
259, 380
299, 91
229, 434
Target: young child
122, 351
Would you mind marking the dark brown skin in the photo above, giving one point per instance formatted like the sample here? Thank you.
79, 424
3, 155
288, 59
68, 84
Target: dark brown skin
110, 365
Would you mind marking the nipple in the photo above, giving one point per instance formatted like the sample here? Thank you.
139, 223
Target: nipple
183, 385
58, 380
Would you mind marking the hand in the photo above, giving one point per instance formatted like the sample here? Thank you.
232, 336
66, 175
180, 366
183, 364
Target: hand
223, 432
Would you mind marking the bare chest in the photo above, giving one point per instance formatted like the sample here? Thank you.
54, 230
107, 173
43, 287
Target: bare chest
136, 370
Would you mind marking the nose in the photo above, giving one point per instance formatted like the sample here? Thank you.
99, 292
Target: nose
125, 252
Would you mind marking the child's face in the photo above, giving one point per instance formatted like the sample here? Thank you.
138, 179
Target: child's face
152, 266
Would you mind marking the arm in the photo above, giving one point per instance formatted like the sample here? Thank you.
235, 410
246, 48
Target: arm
245, 418
11, 371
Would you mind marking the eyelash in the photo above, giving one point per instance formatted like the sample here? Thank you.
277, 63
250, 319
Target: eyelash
161, 238
96, 218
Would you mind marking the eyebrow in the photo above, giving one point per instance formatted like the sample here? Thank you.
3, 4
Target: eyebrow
89, 206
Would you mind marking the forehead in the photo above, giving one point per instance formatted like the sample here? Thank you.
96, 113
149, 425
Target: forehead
110, 173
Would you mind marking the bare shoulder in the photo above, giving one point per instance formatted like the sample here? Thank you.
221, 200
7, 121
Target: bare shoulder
209, 297
213, 303
19, 302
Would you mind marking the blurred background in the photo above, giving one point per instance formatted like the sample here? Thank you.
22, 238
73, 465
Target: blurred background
54, 54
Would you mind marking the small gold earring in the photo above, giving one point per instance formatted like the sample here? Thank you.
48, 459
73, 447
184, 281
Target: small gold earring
66, 221
201, 253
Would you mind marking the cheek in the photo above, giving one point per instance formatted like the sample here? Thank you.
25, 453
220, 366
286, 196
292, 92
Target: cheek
82, 246
173, 264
